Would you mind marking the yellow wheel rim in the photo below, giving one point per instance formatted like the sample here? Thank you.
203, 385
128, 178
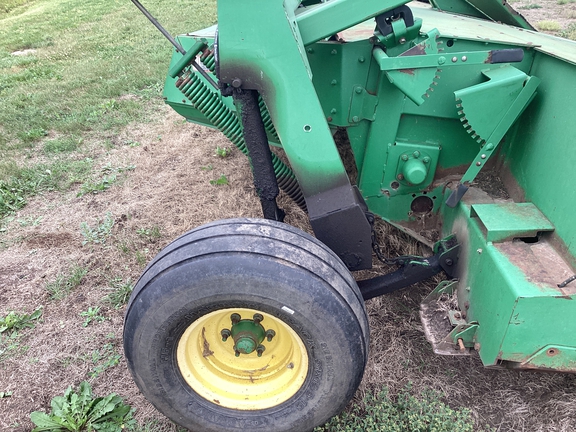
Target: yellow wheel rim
247, 382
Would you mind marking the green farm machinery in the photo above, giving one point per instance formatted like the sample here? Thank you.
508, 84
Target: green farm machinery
460, 120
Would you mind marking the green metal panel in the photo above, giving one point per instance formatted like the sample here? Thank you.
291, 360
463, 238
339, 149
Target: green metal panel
534, 319
506, 220
509, 288
541, 156
336, 82
328, 18
495, 10
278, 68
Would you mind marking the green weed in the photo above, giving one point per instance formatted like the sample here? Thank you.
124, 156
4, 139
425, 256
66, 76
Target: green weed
11, 346
14, 321
82, 412
29, 221
547, 25
94, 187
382, 413
103, 359
141, 257
105, 182
223, 152
151, 234
570, 32
220, 181
531, 6
92, 315
120, 292
563, 2
62, 145
65, 283
99, 233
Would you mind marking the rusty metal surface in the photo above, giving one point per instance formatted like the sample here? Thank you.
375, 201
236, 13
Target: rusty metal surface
541, 264
434, 314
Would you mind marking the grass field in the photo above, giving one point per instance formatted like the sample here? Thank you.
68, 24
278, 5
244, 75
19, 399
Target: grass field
97, 175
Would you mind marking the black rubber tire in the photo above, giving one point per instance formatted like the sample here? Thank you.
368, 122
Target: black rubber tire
258, 264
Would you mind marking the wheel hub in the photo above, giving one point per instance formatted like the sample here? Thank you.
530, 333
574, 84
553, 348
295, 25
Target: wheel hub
241, 373
248, 334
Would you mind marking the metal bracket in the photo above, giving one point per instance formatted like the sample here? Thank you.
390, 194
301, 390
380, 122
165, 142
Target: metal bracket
362, 106
414, 269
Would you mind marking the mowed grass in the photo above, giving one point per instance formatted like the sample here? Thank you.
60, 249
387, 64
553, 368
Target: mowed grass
92, 66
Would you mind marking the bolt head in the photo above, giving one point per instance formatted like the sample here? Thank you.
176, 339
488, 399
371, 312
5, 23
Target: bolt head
225, 333
235, 318
258, 318
454, 59
260, 349
358, 90
236, 83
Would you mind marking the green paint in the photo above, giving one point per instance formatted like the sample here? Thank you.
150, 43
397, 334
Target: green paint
506, 220
247, 335
425, 111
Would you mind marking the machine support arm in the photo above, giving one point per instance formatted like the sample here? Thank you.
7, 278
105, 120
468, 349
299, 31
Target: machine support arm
414, 269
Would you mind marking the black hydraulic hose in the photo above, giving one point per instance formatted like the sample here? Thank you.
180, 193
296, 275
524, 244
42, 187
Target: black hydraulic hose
208, 102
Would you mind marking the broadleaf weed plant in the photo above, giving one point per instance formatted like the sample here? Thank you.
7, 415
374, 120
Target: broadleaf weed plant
81, 411
99, 233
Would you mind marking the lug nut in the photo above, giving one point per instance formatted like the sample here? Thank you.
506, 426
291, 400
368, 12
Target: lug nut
270, 334
257, 318
225, 333
260, 350
235, 318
